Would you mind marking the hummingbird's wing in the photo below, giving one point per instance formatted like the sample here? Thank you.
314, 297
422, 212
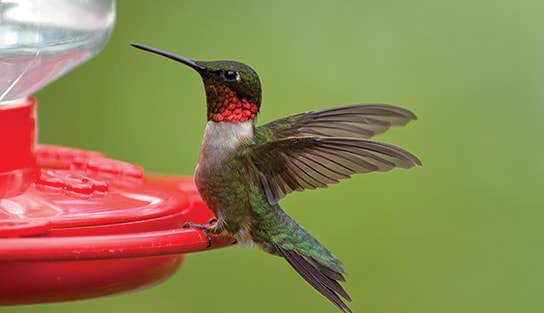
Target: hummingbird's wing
357, 120
298, 163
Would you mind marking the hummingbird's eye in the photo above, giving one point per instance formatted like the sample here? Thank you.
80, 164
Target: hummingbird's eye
231, 75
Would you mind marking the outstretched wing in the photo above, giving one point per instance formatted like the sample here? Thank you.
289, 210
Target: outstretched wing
299, 163
358, 120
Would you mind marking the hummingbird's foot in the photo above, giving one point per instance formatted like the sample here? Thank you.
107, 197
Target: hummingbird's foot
205, 228
212, 220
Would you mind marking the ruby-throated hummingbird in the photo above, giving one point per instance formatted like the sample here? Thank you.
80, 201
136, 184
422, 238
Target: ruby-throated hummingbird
244, 170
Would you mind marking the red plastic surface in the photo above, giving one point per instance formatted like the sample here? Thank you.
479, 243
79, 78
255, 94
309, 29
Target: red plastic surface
17, 158
75, 224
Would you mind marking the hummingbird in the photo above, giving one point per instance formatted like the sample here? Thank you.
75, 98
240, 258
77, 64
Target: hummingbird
244, 170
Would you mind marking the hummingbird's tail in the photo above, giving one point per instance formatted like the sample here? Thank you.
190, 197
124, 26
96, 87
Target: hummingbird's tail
319, 267
320, 277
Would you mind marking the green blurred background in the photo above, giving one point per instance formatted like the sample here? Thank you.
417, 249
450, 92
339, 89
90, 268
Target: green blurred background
463, 233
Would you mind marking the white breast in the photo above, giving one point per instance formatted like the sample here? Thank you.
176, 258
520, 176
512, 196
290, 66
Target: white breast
221, 140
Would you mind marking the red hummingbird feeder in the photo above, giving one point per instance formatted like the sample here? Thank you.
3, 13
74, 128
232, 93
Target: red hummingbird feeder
75, 224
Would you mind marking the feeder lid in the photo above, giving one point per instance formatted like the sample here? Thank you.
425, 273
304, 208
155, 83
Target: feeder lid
77, 191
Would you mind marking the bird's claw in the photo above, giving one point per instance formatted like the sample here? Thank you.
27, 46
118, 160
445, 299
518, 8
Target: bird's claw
195, 225
205, 229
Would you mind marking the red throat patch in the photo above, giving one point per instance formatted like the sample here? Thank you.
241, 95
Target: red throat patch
231, 109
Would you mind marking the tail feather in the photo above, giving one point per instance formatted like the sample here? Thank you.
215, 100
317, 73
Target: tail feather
320, 277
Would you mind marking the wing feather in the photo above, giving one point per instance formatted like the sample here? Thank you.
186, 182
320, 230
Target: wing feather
357, 120
299, 163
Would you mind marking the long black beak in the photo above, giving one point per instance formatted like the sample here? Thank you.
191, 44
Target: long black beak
169, 55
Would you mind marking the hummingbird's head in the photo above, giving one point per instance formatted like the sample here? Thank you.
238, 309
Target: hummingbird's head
233, 89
